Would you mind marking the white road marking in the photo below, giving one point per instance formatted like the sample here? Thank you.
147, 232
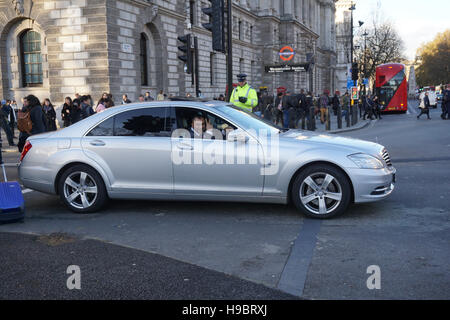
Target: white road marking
27, 191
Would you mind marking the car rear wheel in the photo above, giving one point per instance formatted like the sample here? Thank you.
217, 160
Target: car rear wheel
321, 191
82, 189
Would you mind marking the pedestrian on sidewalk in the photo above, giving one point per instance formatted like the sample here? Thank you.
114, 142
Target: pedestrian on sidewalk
4, 122
50, 115
125, 99
10, 115
86, 109
324, 102
66, 112
160, 96
446, 104
335, 102
280, 105
425, 106
368, 107
345, 104
377, 109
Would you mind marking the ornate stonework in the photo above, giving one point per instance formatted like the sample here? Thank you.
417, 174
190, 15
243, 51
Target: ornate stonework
18, 7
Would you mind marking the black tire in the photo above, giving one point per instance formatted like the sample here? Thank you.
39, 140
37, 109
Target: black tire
340, 184
93, 179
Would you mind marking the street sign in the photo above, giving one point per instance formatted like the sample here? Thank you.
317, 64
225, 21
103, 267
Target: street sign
287, 68
286, 53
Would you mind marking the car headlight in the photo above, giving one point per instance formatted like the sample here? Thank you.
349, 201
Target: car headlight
365, 161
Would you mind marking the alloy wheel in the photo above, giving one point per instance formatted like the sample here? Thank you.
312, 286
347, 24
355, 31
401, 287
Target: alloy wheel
80, 190
320, 193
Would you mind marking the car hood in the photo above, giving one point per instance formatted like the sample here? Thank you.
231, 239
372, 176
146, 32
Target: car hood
351, 144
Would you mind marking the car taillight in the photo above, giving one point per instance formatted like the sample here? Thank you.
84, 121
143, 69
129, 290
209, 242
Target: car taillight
25, 150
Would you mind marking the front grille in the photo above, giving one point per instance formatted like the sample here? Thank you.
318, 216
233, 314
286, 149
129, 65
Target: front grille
386, 157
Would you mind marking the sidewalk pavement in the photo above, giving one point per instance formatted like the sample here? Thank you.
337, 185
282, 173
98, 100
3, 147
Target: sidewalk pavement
5, 146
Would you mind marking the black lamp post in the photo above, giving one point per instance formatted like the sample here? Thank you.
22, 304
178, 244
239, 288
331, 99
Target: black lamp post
365, 34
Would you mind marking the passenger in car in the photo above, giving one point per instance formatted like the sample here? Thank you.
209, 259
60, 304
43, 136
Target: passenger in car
198, 125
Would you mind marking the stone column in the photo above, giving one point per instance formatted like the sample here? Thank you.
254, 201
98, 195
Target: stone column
299, 10
287, 9
328, 26
317, 5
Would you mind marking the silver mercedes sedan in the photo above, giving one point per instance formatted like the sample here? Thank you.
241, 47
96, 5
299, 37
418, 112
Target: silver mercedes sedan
205, 151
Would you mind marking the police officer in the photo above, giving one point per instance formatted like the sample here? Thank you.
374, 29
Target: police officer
244, 96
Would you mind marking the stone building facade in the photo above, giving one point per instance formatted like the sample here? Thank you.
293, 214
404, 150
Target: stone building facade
56, 48
343, 43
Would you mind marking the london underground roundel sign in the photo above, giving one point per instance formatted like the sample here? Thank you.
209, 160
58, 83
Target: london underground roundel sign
287, 53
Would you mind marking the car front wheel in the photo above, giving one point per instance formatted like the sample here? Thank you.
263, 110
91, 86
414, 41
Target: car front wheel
82, 189
321, 191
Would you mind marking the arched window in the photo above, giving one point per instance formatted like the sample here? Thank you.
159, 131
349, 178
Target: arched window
143, 60
30, 49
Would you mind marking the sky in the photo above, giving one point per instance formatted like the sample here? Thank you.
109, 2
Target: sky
416, 21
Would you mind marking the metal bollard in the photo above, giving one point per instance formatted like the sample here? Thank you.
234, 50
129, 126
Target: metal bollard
339, 115
311, 120
352, 114
303, 120
328, 116
347, 116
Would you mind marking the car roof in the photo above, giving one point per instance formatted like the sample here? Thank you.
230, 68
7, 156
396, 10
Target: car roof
173, 103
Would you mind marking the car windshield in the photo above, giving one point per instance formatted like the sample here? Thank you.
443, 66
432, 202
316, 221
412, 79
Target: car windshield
248, 120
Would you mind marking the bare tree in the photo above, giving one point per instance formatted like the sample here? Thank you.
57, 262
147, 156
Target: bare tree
381, 44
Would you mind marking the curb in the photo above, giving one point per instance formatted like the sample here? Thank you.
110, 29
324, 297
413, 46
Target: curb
353, 128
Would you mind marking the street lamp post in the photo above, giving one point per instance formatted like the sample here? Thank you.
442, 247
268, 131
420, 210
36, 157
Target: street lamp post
365, 34
351, 24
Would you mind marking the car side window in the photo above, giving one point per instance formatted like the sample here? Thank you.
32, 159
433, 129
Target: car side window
146, 122
212, 125
103, 129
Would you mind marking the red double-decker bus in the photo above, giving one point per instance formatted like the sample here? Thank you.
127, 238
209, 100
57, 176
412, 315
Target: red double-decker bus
391, 87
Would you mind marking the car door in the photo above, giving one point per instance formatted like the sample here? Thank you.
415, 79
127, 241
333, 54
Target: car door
210, 164
134, 148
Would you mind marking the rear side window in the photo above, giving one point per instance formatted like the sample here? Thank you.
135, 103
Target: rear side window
105, 128
148, 122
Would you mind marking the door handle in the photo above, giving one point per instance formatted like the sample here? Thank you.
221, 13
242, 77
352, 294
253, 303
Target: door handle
185, 146
97, 143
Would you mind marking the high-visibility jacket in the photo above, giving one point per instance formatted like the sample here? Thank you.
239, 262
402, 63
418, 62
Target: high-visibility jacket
245, 91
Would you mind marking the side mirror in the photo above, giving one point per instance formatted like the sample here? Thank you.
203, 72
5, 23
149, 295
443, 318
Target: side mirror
237, 135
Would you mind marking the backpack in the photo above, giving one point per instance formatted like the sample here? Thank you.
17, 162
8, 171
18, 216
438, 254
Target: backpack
24, 123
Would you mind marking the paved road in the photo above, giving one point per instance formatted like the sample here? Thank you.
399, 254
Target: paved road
407, 235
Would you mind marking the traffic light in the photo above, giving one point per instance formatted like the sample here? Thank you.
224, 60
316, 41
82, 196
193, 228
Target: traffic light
355, 71
187, 53
216, 24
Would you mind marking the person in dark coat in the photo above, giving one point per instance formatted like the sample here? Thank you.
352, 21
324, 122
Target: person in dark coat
76, 109
335, 103
66, 112
86, 109
36, 114
50, 115
445, 104
377, 109
31, 104
7, 120
368, 107
280, 103
301, 109
426, 107
6, 128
